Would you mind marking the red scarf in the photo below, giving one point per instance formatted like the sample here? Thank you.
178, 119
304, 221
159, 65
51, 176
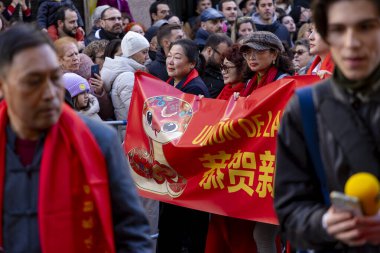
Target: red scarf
74, 212
327, 64
252, 85
192, 74
228, 90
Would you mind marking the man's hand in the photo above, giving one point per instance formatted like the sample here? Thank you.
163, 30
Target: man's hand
369, 227
344, 227
97, 85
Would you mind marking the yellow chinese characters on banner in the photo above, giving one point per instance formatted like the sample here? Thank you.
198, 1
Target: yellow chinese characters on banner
236, 172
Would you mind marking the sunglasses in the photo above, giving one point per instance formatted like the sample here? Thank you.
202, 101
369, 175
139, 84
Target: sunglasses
299, 52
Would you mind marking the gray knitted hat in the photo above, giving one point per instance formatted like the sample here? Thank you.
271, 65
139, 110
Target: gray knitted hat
262, 40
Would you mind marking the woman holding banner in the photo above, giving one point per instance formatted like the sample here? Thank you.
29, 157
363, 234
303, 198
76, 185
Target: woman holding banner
265, 56
227, 234
183, 228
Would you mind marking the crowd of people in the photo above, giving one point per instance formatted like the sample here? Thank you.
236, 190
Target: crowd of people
227, 50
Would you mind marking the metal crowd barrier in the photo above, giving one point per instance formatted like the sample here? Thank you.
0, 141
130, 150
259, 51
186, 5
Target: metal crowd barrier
116, 122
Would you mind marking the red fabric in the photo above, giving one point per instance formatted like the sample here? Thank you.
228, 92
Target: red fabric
327, 64
268, 77
230, 235
53, 34
25, 149
229, 90
74, 211
27, 12
11, 9
193, 74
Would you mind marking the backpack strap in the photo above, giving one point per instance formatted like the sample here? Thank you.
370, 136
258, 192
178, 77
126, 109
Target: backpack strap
309, 123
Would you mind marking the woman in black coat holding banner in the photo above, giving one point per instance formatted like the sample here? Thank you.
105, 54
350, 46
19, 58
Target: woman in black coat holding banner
183, 228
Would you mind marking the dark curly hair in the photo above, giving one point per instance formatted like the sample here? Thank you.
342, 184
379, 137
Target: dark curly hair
320, 10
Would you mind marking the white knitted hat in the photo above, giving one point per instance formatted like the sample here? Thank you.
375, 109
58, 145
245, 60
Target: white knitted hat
132, 43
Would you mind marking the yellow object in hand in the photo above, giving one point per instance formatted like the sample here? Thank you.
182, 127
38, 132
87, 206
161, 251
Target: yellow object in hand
366, 188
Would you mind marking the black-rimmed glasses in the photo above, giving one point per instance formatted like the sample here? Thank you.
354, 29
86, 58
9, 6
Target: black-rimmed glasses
113, 18
226, 68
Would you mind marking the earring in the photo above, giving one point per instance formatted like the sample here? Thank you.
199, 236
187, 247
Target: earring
274, 61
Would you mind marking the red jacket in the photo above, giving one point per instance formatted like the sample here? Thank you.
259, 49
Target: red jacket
53, 33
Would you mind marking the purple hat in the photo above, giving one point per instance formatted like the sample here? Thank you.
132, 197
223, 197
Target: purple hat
75, 84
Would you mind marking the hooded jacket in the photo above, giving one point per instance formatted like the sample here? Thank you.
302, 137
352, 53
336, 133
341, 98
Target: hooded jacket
93, 108
118, 75
276, 27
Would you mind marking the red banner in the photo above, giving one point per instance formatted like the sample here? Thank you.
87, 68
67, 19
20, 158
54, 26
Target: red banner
207, 154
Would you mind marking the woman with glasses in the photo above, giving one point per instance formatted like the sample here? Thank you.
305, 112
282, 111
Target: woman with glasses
232, 75
302, 57
265, 57
266, 60
181, 63
227, 234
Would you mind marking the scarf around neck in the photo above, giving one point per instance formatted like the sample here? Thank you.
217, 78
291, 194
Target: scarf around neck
229, 90
363, 86
74, 212
254, 83
327, 64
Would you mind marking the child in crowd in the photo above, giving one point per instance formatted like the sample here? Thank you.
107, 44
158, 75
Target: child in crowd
83, 101
47, 9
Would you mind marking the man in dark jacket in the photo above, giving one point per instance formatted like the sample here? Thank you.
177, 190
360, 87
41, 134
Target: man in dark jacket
166, 35
111, 26
347, 115
64, 180
265, 20
216, 46
211, 22
95, 21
